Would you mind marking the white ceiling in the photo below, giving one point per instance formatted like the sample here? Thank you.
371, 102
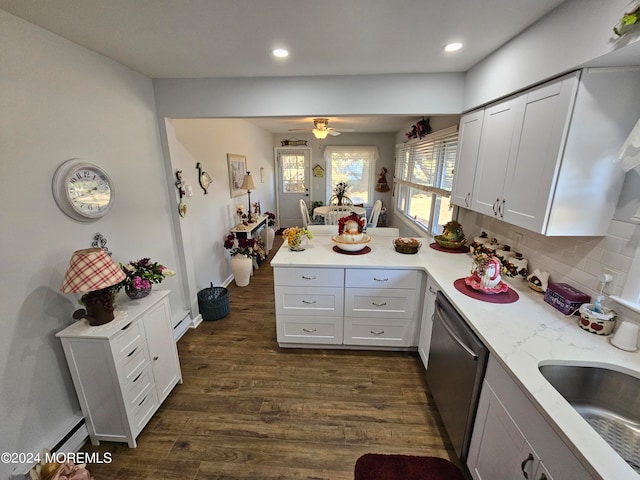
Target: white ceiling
234, 38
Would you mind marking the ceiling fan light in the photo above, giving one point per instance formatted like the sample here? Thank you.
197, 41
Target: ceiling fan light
320, 134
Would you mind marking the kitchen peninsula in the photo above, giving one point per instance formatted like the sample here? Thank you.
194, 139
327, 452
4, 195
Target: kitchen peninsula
520, 335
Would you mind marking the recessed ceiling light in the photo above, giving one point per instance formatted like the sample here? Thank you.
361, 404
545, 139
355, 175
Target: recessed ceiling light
452, 47
280, 52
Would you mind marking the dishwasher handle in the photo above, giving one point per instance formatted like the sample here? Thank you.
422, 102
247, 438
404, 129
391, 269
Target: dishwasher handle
452, 334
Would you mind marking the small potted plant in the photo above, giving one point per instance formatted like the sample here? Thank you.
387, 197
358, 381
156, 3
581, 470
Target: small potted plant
242, 251
141, 274
340, 192
297, 238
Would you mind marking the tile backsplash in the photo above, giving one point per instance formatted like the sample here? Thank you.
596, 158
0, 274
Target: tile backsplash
577, 261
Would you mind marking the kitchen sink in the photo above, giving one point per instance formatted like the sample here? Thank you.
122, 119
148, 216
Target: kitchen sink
607, 399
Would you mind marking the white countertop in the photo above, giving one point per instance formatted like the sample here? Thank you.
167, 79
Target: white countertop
521, 335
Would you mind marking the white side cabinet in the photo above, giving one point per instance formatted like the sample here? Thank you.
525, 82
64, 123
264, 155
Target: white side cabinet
427, 320
511, 439
122, 371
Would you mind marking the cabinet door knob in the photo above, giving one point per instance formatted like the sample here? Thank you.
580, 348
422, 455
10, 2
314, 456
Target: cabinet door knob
524, 464
155, 358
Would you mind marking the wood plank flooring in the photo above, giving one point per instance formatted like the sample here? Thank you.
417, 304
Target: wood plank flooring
249, 410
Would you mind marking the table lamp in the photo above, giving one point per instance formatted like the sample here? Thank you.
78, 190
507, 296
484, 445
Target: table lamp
248, 184
92, 272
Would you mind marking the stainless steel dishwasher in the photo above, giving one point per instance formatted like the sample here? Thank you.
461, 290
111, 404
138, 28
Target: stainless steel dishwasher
457, 362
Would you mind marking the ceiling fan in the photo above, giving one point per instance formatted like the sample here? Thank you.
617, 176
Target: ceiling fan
321, 129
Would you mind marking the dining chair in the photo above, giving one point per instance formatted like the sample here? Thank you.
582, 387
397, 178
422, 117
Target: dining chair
323, 229
335, 213
305, 213
375, 214
383, 232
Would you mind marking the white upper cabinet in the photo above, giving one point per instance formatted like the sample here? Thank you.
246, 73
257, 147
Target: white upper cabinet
466, 158
545, 160
495, 151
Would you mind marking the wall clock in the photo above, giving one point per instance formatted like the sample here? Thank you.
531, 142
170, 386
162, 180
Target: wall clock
83, 191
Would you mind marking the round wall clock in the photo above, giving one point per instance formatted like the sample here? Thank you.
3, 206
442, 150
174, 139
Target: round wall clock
83, 191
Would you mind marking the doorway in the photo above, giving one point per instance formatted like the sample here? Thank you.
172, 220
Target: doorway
293, 183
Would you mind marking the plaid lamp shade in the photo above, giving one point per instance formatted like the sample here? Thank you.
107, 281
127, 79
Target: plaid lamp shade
89, 270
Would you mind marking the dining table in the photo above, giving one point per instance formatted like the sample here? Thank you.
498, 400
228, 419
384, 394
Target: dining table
322, 210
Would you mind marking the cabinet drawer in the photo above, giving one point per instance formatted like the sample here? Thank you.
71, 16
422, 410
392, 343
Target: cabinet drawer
306, 301
295, 329
139, 385
380, 278
309, 277
376, 331
128, 334
380, 303
134, 360
143, 411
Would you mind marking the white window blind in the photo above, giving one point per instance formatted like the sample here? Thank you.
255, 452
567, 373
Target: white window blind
427, 164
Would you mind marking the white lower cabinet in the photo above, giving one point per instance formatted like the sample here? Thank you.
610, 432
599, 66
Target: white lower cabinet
122, 371
511, 439
426, 327
334, 306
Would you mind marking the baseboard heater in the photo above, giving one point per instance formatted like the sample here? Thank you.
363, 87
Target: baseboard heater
72, 441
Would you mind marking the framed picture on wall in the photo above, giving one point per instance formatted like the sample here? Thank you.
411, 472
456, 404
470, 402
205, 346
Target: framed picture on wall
237, 171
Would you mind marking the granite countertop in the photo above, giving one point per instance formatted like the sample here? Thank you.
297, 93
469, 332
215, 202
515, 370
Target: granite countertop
521, 335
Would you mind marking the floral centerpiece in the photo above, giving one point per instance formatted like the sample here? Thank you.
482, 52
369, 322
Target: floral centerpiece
141, 274
297, 238
240, 246
271, 218
340, 191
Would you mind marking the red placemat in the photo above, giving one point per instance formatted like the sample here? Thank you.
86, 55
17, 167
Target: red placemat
359, 252
462, 249
509, 296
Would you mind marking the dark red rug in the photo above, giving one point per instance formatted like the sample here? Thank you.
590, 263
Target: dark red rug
374, 466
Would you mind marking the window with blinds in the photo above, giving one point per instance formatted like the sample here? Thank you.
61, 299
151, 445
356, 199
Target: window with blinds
424, 178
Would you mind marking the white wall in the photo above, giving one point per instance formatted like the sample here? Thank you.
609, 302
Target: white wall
575, 33
403, 94
210, 217
61, 101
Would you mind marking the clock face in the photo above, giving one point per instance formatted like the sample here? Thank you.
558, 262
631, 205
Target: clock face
82, 190
89, 191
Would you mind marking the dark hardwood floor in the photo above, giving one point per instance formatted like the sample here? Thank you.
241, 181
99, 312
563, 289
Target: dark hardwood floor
249, 410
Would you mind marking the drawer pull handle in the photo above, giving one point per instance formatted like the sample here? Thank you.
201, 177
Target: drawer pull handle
308, 278
379, 304
309, 302
133, 351
432, 290
524, 464
377, 333
126, 326
136, 379
381, 279
309, 330
143, 400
